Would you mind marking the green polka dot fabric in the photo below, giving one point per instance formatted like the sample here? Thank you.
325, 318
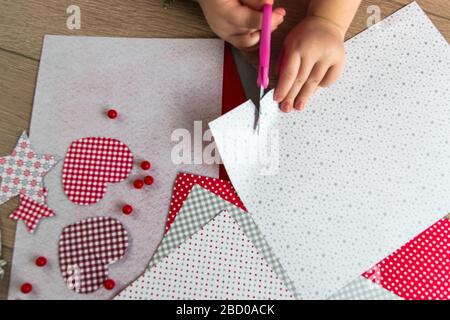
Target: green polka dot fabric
225, 259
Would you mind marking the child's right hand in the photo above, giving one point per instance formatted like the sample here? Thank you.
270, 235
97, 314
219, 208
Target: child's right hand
239, 21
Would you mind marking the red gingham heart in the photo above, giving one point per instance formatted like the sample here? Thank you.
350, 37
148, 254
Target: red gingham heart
90, 164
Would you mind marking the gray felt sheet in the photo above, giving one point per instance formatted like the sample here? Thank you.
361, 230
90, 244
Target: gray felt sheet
157, 85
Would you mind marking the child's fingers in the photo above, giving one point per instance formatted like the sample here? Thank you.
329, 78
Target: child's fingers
290, 64
305, 69
310, 86
278, 64
332, 75
256, 4
279, 11
244, 17
245, 41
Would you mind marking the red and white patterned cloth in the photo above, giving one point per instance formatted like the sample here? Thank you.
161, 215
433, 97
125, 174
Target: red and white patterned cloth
31, 211
90, 164
86, 248
184, 184
420, 270
23, 171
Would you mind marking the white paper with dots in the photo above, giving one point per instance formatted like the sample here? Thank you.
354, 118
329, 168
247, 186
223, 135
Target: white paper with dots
219, 262
365, 168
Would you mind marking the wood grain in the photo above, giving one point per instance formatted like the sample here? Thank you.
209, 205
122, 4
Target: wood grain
17, 81
23, 23
436, 7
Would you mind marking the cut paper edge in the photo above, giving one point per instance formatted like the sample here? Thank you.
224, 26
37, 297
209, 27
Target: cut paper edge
183, 228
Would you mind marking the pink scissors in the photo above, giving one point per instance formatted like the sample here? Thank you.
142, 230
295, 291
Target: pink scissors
264, 57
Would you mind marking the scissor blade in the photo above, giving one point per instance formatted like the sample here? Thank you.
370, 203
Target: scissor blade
258, 111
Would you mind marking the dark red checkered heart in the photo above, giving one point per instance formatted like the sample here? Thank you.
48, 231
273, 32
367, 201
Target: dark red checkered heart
90, 164
86, 248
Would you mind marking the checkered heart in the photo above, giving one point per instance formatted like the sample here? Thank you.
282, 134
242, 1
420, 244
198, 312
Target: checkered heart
90, 164
86, 248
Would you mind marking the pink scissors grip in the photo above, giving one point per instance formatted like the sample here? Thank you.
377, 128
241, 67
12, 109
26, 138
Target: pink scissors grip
264, 48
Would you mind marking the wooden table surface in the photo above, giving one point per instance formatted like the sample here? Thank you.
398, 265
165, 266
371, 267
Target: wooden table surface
23, 23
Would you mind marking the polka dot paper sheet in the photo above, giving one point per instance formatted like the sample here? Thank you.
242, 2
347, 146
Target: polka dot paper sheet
218, 262
90, 164
420, 270
362, 170
184, 184
198, 209
363, 289
87, 248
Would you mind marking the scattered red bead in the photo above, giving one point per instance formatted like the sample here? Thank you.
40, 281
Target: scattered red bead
112, 114
145, 165
148, 180
26, 288
127, 209
109, 284
138, 184
41, 261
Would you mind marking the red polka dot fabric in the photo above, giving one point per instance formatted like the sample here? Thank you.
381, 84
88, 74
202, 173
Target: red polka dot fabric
86, 248
90, 164
184, 184
420, 270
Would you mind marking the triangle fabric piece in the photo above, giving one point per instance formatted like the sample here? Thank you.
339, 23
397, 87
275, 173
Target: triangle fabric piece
218, 262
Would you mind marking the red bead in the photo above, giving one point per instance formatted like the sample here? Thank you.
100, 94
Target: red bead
138, 184
41, 261
26, 288
109, 284
148, 180
112, 114
127, 209
145, 165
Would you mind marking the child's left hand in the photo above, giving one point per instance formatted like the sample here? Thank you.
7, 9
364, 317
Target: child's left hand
312, 56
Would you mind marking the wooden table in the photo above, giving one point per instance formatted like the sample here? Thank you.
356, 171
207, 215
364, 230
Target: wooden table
23, 23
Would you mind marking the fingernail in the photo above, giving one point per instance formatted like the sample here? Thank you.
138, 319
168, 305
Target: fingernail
299, 105
284, 106
276, 97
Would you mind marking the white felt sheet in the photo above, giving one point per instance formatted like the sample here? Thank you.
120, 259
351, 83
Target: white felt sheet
363, 169
157, 86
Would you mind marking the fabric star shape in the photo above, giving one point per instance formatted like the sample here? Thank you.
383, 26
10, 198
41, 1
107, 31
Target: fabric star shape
31, 211
23, 172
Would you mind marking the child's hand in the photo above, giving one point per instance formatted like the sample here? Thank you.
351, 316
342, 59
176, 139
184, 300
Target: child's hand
239, 21
312, 56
